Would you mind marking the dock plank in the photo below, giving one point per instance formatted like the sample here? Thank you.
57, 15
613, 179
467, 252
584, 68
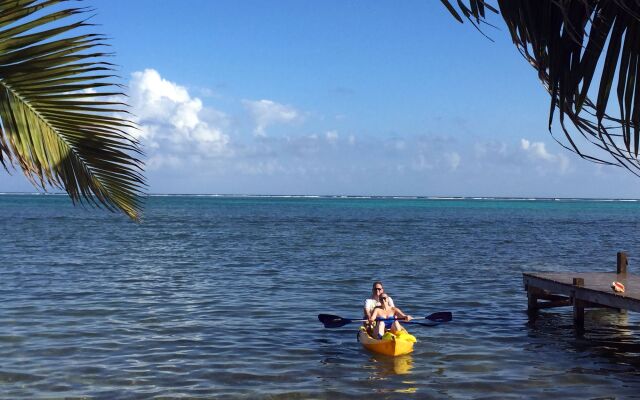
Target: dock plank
596, 289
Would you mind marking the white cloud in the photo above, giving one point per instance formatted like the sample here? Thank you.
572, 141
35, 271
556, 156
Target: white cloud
421, 163
490, 149
171, 122
159, 161
268, 112
431, 161
538, 151
332, 136
453, 160
267, 167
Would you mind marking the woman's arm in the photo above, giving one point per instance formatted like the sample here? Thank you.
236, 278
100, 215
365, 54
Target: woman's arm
374, 314
398, 313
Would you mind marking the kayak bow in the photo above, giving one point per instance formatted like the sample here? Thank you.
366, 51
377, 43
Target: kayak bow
390, 345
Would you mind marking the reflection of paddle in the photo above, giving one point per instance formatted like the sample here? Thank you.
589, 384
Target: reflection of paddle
334, 321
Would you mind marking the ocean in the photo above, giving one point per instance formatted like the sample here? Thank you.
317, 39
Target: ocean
218, 297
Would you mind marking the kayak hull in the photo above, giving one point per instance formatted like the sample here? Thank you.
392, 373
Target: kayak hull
387, 347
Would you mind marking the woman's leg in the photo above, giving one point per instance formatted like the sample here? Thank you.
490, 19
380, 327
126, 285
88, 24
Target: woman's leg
369, 327
379, 329
396, 327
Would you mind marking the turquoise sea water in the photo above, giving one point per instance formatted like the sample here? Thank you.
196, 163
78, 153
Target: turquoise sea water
218, 297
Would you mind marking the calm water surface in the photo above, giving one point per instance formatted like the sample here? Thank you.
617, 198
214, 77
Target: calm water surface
218, 297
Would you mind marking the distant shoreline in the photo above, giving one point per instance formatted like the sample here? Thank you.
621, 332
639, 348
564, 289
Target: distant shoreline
361, 197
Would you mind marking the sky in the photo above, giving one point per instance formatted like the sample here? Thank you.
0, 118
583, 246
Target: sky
336, 98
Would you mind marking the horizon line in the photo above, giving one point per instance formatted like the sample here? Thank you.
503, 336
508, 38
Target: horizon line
349, 196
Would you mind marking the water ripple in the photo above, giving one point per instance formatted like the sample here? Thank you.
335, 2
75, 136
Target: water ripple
218, 297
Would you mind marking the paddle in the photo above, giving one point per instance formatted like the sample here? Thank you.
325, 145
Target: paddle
442, 316
421, 323
334, 321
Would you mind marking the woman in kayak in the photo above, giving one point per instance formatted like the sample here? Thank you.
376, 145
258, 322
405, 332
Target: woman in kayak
372, 302
386, 317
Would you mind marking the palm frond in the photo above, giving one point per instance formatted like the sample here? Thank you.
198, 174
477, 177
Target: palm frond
574, 44
59, 121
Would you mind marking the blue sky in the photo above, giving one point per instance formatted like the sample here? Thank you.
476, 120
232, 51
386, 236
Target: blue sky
336, 97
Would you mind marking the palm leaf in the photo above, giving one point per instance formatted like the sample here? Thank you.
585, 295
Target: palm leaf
59, 121
572, 44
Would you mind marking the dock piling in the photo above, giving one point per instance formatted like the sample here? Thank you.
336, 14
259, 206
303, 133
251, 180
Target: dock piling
532, 301
621, 267
578, 305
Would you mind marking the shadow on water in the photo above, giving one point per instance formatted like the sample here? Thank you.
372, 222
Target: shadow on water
609, 343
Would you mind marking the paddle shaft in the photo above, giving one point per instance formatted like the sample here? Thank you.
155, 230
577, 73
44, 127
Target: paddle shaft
334, 321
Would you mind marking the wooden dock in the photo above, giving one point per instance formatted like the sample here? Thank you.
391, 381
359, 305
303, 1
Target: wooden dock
582, 290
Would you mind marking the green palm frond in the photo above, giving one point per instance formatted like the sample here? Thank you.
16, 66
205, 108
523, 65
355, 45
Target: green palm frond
576, 45
59, 120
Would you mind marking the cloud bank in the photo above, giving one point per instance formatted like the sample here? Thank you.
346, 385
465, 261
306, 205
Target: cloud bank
267, 146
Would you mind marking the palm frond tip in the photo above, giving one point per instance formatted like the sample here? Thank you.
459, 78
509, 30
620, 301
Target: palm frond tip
575, 45
60, 123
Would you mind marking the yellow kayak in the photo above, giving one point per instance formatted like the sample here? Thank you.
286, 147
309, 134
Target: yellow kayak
390, 344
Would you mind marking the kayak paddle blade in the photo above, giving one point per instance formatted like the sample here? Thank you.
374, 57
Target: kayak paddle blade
443, 316
333, 321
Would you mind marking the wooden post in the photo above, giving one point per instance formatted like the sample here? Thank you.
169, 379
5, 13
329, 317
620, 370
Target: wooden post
621, 268
532, 302
578, 306
622, 263
533, 295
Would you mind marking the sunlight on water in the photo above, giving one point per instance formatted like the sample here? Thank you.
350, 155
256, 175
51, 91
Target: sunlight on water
218, 297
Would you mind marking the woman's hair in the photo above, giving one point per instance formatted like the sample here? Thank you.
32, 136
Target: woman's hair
376, 283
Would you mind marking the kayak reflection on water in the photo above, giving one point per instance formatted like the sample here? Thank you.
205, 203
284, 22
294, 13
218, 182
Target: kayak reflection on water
382, 366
